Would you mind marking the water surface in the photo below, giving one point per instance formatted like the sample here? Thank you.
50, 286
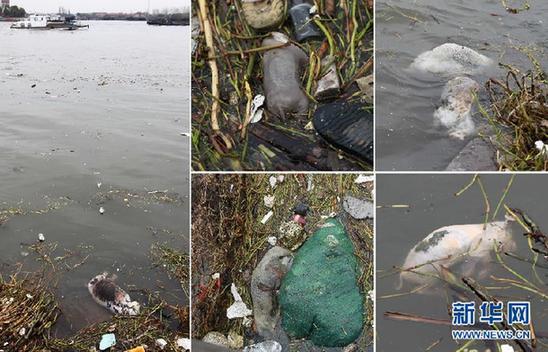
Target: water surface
88, 119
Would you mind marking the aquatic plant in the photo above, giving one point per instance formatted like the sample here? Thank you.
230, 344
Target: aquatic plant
27, 311
518, 114
130, 331
174, 261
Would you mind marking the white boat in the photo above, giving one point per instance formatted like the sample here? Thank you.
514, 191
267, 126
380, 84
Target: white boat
49, 22
33, 22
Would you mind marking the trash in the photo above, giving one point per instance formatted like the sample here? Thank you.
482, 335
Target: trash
161, 343
301, 209
358, 208
238, 309
367, 86
235, 341
137, 349
265, 282
267, 217
22, 331
216, 276
272, 240
272, 180
101, 210
312, 305
309, 183
506, 348
281, 178
542, 147
256, 111
269, 201
99, 184
266, 346
305, 28
281, 82
347, 126
107, 341
216, 338
364, 179
264, 14
184, 343
292, 234
41, 237
329, 84
299, 219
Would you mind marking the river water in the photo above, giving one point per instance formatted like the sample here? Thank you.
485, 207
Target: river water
406, 138
432, 204
88, 119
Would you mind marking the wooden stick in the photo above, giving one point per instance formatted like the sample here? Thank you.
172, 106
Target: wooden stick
206, 25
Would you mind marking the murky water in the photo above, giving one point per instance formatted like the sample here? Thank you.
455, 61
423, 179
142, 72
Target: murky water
102, 106
406, 100
433, 205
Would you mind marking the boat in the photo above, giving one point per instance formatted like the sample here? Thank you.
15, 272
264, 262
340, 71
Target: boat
49, 22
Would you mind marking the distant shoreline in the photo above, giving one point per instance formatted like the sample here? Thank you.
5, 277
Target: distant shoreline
161, 20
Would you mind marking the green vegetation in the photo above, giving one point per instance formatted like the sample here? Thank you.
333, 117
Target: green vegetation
518, 114
12, 11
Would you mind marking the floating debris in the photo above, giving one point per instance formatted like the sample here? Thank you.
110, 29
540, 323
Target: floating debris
269, 201
266, 346
238, 309
184, 343
334, 315
175, 262
358, 208
364, 179
33, 304
272, 180
267, 217
41, 237
161, 343
107, 341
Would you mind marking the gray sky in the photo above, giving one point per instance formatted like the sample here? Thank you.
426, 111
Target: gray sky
98, 5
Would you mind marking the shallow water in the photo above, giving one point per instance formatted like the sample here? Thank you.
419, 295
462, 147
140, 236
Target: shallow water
405, 100
105, 105
433, 205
